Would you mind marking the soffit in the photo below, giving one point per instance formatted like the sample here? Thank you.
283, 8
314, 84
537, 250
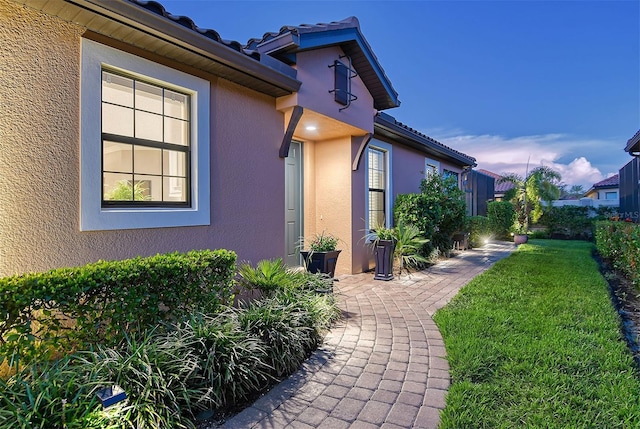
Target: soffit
148, 26
326, 128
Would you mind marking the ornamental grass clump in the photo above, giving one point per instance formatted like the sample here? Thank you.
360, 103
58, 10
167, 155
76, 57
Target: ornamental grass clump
232, 362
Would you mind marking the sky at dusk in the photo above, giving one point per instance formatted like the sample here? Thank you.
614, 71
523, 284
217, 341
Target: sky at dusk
553, 82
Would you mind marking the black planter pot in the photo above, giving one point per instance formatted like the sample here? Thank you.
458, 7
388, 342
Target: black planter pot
321, 262
384, 260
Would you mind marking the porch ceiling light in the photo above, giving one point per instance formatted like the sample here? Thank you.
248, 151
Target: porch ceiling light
311, 128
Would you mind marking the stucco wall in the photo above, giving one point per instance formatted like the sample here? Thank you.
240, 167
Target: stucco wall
39, 161
318, 78
332, 200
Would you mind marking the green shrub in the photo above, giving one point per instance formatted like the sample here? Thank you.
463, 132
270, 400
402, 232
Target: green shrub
268, 276
619, 242
501, 217
438, 212
569, 222
480, 227
71, 308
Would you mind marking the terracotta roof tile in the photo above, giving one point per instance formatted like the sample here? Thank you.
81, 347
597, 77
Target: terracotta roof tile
185, 21
609, 182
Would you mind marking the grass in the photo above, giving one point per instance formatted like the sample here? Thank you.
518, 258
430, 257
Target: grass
534, 342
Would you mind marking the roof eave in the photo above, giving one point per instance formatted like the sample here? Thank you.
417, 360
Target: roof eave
395, 133
238, 66
633, 144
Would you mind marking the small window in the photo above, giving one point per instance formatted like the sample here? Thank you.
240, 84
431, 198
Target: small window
431, 166
612, 195
377, 187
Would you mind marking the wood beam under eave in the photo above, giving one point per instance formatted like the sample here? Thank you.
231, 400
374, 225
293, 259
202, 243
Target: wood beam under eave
364, 141
296, 114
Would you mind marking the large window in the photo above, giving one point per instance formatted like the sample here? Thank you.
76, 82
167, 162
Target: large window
377, 179
144, 154
145, 143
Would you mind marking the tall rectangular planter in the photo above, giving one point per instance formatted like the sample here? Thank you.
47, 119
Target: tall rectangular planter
384, 260
321, 262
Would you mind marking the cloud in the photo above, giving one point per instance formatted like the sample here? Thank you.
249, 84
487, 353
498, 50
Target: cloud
568, 156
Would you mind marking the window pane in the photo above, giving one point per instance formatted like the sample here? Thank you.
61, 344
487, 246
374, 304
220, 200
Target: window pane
117, 187
148, 188
117, 120
175, 189
117, 89
116, 157
176, 104
148, 126
174, 163
148, 97
376, 208
176, 131
147, 160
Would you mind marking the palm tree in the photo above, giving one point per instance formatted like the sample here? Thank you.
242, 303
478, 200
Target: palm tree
528, 194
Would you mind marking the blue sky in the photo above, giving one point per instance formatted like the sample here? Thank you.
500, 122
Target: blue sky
556, 82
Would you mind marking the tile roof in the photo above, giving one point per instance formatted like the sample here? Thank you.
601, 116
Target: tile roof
499, 187
185, 21
350, 22
346, 33
425, 140
609, 182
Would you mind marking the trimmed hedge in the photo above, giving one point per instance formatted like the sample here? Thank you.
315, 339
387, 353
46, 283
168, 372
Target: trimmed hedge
619, 242
69, 308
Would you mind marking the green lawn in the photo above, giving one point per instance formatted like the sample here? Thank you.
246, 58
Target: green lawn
534, 342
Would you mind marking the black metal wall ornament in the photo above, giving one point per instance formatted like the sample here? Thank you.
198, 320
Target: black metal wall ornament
342, 82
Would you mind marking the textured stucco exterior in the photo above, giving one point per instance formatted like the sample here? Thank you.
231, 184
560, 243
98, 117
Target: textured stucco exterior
318, 79
39, 161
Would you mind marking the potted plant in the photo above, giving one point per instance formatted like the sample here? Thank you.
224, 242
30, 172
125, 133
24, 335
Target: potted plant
322, 256
383, 241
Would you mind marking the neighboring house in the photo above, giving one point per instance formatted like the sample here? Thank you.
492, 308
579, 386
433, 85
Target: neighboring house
129, 131
500, 188
606, 191
630, 182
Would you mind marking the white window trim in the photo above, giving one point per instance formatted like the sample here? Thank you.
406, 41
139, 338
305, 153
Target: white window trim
428, 162
93, 217
385, 147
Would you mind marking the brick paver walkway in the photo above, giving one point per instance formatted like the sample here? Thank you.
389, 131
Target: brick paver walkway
384, 365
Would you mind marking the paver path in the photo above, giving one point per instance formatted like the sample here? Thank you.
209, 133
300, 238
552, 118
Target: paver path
384, 365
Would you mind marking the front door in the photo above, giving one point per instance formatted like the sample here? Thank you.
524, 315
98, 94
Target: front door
293, 204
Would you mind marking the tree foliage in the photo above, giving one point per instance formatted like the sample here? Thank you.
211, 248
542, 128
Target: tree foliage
540, 185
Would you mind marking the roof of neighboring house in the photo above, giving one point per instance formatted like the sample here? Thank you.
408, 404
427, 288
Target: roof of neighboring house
608, 183
284, 45
387, 126
633, 144
500, 188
